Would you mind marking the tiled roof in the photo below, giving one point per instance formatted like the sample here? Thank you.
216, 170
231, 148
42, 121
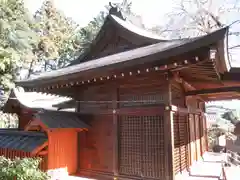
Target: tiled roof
21, 140
60, 119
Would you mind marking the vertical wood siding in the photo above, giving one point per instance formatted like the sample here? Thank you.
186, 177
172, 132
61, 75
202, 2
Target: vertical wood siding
12, 154
197, 128
181, 131
24, 119
96, 145
62, 150
140, 137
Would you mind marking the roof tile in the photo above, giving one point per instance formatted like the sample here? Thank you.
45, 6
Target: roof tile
21, 140
60, 119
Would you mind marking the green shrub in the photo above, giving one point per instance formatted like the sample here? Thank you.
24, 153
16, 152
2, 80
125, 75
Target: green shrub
21, 169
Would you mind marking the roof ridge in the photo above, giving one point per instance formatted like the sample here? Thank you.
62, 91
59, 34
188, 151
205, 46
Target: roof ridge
114, 10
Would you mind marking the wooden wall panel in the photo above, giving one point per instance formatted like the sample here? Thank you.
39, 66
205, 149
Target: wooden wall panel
24, 119
62, 150
96, 145
181, 143
181, 130
184, 140
141, 137
192, 138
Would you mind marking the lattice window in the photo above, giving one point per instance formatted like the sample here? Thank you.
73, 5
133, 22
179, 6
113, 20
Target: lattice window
141, 146
130, 145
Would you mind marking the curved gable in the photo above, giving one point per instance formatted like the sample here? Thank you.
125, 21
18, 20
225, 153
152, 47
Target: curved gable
117, 35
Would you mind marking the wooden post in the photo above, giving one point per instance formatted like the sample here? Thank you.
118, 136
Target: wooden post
201, 133
205, 133
195, 136
189, 143
169, 144
179, 138
169, 136
115, 133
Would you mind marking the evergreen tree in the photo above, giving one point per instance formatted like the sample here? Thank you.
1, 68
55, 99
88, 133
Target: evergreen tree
58, 43
16, 39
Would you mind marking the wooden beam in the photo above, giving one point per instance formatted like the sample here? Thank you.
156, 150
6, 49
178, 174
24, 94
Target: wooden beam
186, 110
115, 133
135, 110
214, 90
42, 153
231, 76
34, 123
186, 84
183, 82
38, 149
141, 111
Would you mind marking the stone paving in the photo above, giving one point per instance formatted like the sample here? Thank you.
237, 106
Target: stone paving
209, 168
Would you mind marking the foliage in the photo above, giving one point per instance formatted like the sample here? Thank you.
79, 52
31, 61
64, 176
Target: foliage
58, 42
213, 134
8, 120
231, 116
21, 169
16, 39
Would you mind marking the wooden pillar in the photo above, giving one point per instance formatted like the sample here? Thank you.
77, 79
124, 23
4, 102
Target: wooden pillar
169, 136
115, 132
179, 139
205, 133
189, 143
201, 134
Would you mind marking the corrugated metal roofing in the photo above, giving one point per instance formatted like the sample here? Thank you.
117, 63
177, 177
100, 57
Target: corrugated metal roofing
21, 140
60, 119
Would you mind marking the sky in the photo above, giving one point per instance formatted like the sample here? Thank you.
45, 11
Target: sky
152, 12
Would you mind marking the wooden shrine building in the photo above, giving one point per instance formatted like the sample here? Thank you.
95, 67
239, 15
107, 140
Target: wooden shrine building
143, 98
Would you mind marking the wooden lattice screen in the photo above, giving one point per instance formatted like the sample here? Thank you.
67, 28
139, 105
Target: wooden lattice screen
184, 140
177, 159
181, 141
141, 146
